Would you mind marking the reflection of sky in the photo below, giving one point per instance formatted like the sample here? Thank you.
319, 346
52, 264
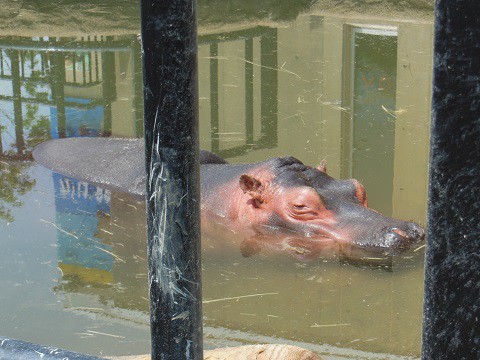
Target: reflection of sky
5, 88
8, 124
80, 122
7, 119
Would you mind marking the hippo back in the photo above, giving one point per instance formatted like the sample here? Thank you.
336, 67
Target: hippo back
207, 157
111, 163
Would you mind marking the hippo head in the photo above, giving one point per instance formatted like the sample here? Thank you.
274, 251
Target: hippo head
288, 196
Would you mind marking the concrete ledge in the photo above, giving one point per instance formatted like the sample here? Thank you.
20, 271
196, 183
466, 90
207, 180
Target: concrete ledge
117, 17
250, 352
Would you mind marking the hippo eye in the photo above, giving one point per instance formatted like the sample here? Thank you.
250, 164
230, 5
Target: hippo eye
301, 210
304, 203
300, 207
306, 208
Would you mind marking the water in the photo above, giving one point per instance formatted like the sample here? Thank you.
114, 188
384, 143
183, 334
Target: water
351, 89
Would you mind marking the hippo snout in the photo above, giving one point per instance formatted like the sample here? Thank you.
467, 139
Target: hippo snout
400, 238
417, 232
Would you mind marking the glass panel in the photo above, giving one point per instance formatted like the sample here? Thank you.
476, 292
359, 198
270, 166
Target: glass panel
351, 87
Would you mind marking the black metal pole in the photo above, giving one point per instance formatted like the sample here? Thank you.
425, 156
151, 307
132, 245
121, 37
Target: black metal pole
451, 326
173, 192
22, 350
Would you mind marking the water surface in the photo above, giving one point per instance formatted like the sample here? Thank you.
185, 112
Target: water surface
354, 90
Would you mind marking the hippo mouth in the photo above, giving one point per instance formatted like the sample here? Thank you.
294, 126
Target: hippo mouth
385, 241
393, 240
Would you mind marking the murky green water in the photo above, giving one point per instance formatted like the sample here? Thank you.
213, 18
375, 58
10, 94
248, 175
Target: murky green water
353, 90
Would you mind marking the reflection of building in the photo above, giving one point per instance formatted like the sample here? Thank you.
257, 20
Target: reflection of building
65, 87
263, 92
370, 73
81, 253
75, 85
312, 96
254, 53
102, 243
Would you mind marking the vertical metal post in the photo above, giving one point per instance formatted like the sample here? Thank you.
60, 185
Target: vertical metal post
58, 79
173, 191
17, 100
2, 69
1, 142
109, 89
138, 87
249, 91
452, 270
214, 118
269, 88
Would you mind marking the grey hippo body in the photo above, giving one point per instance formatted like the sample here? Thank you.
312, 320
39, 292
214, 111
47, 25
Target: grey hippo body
279, 197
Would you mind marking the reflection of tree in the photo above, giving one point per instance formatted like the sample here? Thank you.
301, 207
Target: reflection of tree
39, 132
14, 179
13, 182
1, 144
36, 128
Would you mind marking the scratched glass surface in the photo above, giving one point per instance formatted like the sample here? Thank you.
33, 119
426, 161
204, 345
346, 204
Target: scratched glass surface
349, 87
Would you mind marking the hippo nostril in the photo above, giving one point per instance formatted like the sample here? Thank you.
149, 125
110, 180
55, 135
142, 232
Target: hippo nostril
416, 232
395, 238
400, 232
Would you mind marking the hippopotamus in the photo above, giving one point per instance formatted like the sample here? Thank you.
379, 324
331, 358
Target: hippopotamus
283, 196
280, 197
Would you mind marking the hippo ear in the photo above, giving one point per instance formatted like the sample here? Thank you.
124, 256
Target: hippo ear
251, 186
323, 166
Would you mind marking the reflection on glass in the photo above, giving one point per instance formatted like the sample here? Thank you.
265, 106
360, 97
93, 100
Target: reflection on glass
70, 83
373, 93
81, 253
14, 182
354, 92
265, 41
58, 87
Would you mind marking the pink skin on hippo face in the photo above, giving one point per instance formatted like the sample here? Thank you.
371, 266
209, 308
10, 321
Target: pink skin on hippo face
283, 197
299, 207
